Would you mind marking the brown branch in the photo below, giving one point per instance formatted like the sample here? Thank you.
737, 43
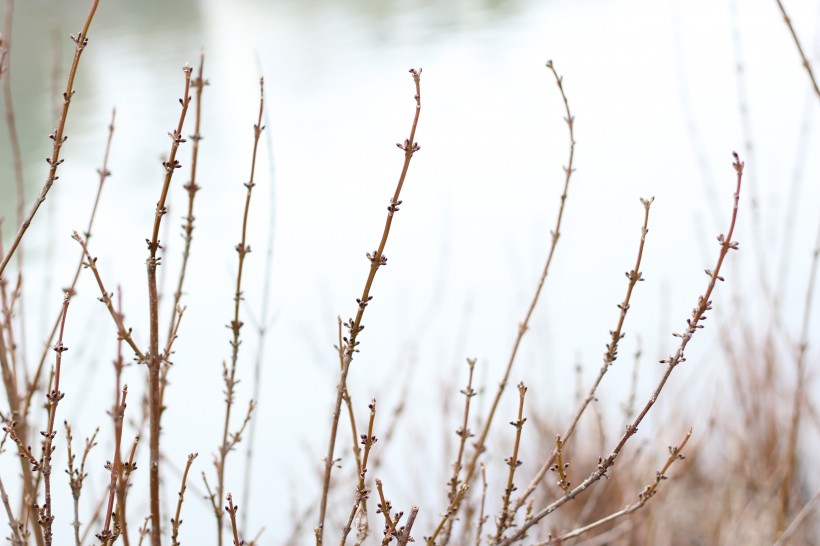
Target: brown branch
611, 354
463, 433
117, 417
11, 122
803, 58
126, 469
357, 454
560, 466
9, 302
799, 401
362, 493
647, 493
482, 519
58, 137
46, 516
14, 142
103, 173
154, 357
355, 326
262, 326
15, 426
505, 515
176, 521
17, 527
524, 325
693, 324
391, 520
629, 405
107, 536
144, 529
76, 476
403, 534
448, 514
192, 188
231, 508
172, 337
122, 331
229, 373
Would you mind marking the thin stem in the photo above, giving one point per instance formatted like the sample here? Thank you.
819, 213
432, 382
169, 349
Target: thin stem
231, 508
463, 434
144, 529
176, 521
103, 173
749, 151
11, 123
107, 536
806, 63
482, 519
404, 532
242, 249
451, 511
505, 516
106, 298
560, 466
154, 357
361, 492
192, 188
17, 527
126, 469
692, 325
9, 303
377, 259
58, 137
173, 335
647, 493
117, 417
76, 476
799, 401
524, 325
17, 158
54, 397
357, 454
13, 398
629, 406
262, 327
611, 354
391, 520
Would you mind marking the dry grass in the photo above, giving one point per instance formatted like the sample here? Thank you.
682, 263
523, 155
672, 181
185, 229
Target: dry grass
740, 480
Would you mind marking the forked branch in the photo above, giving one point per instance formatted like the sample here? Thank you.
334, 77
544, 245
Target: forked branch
355, 326
693, 324
610, 355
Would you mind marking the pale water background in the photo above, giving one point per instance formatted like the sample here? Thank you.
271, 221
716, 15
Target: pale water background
654, 89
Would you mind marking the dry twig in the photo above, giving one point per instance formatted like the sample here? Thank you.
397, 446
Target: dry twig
693, 324
524, 325
176, 521
229, 440
355, 326
611, 354
647, 493
58, 137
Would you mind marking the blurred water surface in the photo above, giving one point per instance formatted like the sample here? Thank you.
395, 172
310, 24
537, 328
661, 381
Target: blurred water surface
654, 88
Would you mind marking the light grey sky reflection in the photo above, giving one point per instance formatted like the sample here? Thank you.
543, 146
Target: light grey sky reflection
643, 78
